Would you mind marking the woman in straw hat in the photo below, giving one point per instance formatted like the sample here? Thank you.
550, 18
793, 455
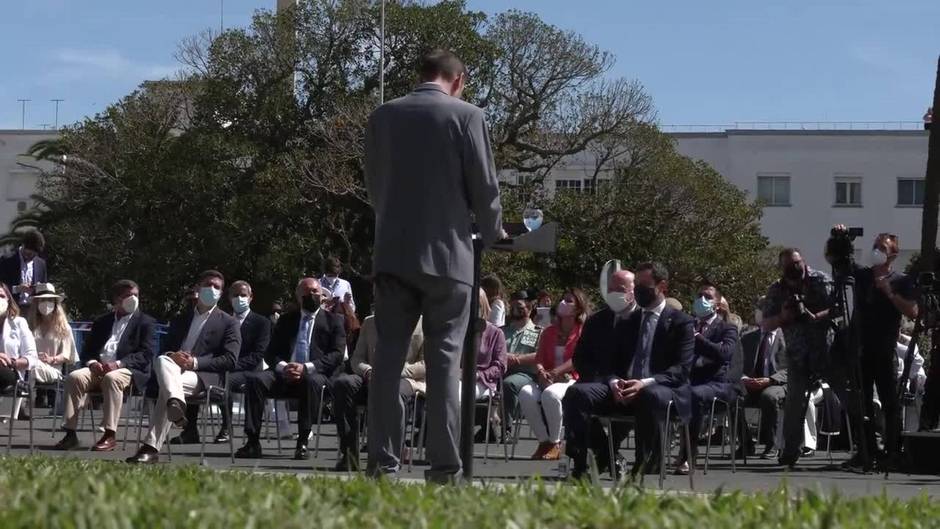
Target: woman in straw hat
54, 341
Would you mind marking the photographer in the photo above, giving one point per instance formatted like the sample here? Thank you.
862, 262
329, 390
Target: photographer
882, 296
799, 303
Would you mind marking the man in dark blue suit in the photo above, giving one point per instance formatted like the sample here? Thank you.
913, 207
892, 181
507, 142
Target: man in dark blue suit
24, 269
716, 342
255, 331
306, 348
201, 345
649, 368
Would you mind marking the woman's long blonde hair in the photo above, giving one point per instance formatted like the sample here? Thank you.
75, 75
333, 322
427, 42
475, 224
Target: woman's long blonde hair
56, 324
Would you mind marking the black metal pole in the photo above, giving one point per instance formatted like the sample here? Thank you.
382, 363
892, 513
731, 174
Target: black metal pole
471, 345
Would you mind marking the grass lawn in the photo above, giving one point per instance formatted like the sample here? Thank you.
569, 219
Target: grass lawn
44, 492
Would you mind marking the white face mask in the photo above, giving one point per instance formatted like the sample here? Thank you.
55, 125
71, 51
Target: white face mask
565, 309
240, 304
46, 307
209, 296
130, 304
4, 305
878, 258
618, 301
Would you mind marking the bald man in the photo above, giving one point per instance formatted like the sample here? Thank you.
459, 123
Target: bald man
306, 349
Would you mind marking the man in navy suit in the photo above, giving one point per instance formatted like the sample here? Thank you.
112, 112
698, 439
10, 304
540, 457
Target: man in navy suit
649, 369
117, 352
716, 342
255, 331
24, 269
201, 345
306, 349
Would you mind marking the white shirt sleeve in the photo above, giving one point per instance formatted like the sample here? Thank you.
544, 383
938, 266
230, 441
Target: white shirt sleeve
27, 343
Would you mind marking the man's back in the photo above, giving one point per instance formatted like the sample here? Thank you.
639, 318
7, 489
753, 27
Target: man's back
428, 167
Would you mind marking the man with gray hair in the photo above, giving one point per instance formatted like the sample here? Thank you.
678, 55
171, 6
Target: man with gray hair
430, 174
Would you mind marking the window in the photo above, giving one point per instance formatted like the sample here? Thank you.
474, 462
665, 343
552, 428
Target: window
848, 191
589, 184
773, 190
20, 206
568, 185
910, 191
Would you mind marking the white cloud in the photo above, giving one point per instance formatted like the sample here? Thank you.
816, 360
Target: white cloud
77, 64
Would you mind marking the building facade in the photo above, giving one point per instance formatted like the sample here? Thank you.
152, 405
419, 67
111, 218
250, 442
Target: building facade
17, 178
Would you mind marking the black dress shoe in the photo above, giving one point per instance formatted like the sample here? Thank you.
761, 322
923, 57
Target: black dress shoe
146, 455
176, 413
301, 453
187, 437
69, 442
222, 437
249, 451
770, 453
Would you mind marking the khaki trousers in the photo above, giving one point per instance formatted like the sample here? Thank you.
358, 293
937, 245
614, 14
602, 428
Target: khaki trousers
112, 386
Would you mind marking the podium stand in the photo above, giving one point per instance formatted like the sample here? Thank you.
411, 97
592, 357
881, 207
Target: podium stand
542, 240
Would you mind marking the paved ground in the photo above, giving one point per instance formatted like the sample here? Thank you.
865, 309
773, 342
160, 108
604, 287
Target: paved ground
758, 475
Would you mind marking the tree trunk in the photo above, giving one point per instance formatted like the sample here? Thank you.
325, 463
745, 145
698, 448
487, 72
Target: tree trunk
928, 241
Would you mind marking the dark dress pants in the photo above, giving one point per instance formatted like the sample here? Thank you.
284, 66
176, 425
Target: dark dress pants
262, 385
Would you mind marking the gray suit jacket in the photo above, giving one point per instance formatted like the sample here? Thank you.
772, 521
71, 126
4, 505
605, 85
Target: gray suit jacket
430, 175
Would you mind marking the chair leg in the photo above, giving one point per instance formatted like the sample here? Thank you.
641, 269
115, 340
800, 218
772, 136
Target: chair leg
91, 411
55, 416
612, 462
708, 443
691, 457
663, 454
734, 437
848, 427
486, 432
277, 426
516, 426
202, 430
12, 419
503, 430
316, 444
32, 446
411, 435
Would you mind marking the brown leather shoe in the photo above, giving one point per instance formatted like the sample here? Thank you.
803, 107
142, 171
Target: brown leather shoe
553, 453
540, 451
105, 444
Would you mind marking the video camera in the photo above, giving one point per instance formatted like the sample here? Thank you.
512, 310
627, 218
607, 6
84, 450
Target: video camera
840, 250
929, 285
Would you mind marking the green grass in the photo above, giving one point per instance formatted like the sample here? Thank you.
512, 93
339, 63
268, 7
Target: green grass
44, 492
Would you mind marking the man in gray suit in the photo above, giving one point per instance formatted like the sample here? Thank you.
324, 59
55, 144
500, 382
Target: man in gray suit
430, 175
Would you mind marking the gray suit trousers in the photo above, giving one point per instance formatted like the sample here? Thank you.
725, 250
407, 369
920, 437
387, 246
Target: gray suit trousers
399, 302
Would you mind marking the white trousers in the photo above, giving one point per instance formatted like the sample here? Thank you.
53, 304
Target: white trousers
809, 425
174, 384
480, 392
542, 409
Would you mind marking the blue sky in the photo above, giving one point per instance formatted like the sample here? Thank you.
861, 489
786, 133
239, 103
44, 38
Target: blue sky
714, 62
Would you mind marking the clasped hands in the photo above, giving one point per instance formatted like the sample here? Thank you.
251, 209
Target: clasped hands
756, 384
624, 391
294, 372
183, 359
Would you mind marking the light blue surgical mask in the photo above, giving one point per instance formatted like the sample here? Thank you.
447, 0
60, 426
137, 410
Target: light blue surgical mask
240, 304
209, 296
702, 307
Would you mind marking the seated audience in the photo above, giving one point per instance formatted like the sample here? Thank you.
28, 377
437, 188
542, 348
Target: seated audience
765, 384
351, 389
494, 299
491, 359
593, 352
648, 371
255, 332
305, 351
541, 400
199, 348
715, 344
19, 347
522, 337
116, 353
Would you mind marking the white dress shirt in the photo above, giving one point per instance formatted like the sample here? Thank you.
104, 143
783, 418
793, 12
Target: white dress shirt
195, 328
654, 314
242, 317
26, 276
339, 287
109, 351
19, 342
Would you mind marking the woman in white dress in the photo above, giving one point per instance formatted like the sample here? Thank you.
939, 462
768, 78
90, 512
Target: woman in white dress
19, 348
55, 344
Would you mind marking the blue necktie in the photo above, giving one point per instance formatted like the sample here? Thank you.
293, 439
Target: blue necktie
644, 346
302, 346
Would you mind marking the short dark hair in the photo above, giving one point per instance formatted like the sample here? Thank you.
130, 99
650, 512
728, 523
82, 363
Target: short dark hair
492, 284
333, 263
210, 273
708, 284
33, 240
440, 63
238, 284
660, 273
787, 252
119, 287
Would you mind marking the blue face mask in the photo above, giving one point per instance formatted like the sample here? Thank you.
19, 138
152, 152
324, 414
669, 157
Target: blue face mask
703, 308
209, 296
240, 304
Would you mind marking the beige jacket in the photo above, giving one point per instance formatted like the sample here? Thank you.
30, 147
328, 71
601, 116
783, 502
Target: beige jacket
363, 356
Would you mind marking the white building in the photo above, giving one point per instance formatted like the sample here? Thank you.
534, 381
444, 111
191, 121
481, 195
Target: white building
810, 180
18, 181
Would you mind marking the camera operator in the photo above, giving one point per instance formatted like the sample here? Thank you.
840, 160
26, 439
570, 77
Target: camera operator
882, 296
799, 303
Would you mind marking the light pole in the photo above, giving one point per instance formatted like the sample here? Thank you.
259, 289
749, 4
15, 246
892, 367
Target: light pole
57, 101
23, 117
382, 56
